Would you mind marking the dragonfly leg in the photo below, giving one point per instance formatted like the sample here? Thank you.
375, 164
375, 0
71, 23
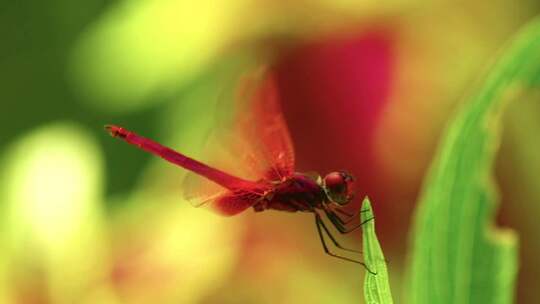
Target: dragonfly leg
336, 221
319, 223
332, 238
340, 224
349, 217
345, 213
350, 229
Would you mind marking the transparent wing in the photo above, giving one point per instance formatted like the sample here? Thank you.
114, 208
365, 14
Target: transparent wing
264, 126
250, 140
234, 203
225, 152
198, 191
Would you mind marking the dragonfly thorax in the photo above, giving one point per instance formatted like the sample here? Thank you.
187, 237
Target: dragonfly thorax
296, 193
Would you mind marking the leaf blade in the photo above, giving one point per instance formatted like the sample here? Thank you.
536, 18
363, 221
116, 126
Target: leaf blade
458, 256
376, 286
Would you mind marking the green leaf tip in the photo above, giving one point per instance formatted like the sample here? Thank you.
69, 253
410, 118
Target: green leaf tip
458, 255
376, 286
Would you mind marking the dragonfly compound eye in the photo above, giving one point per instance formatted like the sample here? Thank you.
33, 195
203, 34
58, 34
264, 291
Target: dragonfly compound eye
339, 187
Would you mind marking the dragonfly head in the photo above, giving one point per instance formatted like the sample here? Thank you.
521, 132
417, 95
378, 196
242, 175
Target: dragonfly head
339, 187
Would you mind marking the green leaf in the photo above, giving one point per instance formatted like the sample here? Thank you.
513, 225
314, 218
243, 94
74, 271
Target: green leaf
458, 256
376, 286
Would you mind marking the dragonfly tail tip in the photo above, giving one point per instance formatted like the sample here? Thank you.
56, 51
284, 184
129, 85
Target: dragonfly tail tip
114, 131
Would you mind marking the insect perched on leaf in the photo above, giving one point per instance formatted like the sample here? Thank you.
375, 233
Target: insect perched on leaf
257, 168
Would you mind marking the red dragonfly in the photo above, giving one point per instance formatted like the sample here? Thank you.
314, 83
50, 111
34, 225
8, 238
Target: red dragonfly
262, 175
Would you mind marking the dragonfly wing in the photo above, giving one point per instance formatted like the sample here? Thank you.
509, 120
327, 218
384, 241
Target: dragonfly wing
261, 120
226, 203
250, 140
232, 154
234, 203
227, 152
200, 192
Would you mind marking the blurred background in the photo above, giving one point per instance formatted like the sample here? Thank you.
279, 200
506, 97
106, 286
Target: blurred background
364, 86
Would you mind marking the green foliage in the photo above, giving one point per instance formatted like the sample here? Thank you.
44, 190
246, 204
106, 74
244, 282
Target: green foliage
458, 256
376, 286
